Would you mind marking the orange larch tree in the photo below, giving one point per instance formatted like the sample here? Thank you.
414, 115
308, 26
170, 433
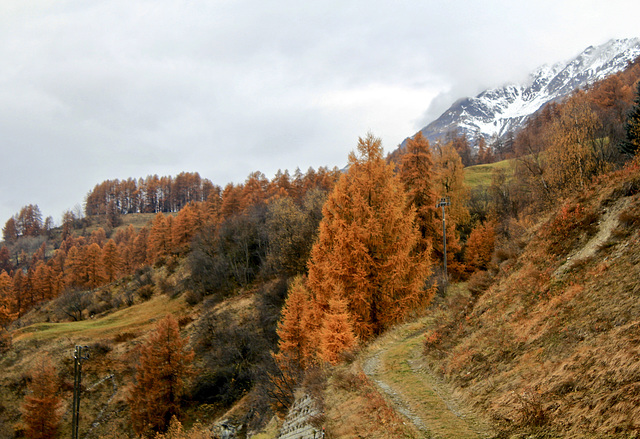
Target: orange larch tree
366, 248
41, 407
480, 246
140, 248
165, 365
111, 261
337, 335
160, 239
295, 351
417, 174
8, 311
93, 266
449, 183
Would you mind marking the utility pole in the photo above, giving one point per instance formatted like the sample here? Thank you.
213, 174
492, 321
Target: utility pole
444, 201
81, 353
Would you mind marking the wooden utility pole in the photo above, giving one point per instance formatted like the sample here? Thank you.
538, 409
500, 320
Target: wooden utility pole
444, 201
81, 353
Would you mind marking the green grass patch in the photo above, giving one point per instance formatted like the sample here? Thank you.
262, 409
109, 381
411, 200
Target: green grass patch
480, 175
137, 318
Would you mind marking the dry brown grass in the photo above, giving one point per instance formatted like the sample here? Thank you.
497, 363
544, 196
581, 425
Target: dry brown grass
355, 409
556, 352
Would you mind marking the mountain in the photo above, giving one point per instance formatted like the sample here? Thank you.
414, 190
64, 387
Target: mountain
495, 112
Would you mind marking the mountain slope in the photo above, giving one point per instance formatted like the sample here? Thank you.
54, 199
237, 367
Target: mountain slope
495, 112
552, 346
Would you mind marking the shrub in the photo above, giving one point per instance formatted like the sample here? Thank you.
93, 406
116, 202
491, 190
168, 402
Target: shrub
100, 348
5, 341
145, 292
193, 297
479, 282
530, 407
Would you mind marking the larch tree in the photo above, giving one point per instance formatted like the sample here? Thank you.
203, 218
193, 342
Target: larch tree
417, 174
165, 365
293, 344
140, 248
93, 266
160, 239
291, 335
337, 336
8, 311
73, 267
366, 248
41, 408
449, 183
185, 227
571, 156
10, 231
5, 259
480, 246
111, 261
46, 282
20, 286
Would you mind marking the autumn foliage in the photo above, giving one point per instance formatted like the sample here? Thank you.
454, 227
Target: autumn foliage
366, 248
165, 366
41, 407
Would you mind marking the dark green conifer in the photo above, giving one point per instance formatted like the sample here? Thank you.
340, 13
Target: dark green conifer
631, 144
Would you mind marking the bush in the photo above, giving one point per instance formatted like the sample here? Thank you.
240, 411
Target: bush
192, 297
5, 341
145, 292
99, 349
479, 282
530, 407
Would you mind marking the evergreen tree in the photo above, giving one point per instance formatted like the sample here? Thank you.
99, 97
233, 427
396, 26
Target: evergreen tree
365, 251
632, 127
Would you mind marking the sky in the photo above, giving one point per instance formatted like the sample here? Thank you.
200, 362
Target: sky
112, 89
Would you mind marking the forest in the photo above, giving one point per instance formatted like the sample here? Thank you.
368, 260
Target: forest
270, 285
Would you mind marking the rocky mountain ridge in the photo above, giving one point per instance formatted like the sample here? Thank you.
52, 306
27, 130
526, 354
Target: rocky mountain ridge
496, 112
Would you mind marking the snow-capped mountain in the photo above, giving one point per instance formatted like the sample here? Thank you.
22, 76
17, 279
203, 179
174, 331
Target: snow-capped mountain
497, 111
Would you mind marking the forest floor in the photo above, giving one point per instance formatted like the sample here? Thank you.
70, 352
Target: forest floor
396, 364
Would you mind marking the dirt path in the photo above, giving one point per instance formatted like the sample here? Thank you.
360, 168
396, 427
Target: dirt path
395, 364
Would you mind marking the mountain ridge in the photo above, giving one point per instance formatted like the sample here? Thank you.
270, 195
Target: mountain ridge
496, 112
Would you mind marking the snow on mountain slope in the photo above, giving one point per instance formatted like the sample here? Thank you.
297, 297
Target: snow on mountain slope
495, 112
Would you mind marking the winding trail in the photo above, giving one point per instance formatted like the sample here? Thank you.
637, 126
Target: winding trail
396, 365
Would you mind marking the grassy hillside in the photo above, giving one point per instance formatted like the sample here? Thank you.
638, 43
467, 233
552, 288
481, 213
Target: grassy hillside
552, 347
545, 343
480, 175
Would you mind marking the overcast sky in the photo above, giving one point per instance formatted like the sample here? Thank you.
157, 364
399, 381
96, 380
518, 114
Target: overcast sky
106, 89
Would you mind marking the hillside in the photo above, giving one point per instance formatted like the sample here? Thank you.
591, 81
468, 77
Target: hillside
326, 287
552, 345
